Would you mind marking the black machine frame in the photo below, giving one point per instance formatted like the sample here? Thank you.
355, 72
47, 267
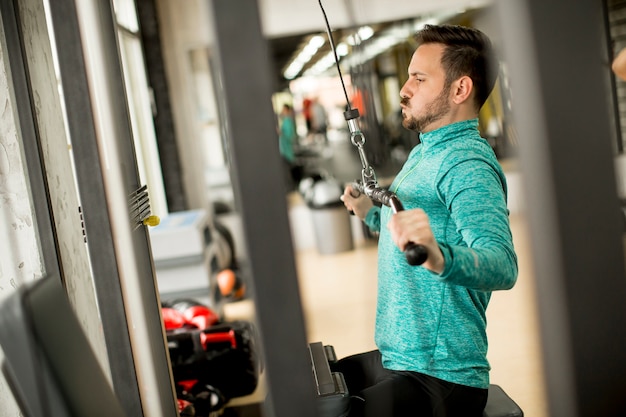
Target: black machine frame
242, 59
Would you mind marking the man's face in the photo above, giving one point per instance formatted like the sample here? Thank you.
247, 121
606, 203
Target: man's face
425, 97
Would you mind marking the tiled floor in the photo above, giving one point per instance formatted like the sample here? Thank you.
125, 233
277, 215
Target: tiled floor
339, 296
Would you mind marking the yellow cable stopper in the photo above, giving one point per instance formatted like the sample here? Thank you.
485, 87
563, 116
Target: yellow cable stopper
152, 221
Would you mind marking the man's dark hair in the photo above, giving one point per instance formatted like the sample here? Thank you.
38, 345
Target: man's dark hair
467, 51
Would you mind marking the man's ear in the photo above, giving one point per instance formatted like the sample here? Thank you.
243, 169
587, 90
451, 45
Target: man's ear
462, 89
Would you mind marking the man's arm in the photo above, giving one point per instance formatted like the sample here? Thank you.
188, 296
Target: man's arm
487, 261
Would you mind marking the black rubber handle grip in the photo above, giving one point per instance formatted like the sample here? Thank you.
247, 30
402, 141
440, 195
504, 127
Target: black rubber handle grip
415, 254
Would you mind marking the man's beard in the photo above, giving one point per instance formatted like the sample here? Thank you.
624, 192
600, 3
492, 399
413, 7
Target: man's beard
433, 111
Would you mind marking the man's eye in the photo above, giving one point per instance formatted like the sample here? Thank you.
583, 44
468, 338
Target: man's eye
419, 80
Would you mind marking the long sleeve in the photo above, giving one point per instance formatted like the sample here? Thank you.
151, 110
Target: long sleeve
431, 323
484, 259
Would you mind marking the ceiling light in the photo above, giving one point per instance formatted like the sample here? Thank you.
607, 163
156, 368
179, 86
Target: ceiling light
365, 33
317, 41
322, 65
342, 49
305, 55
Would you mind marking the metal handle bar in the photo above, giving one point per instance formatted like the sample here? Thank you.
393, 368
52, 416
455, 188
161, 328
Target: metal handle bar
415, 254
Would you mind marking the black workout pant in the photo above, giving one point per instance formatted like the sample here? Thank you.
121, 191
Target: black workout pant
379, 392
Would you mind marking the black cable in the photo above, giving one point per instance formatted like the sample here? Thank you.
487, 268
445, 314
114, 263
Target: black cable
415, 254
332, 46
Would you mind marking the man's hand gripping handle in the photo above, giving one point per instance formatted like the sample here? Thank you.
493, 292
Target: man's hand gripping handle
415, 254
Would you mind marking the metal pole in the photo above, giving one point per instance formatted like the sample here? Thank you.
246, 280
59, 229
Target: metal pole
556, 54
250, 123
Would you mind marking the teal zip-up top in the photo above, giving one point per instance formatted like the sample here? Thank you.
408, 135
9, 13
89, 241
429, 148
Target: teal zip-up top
435, 323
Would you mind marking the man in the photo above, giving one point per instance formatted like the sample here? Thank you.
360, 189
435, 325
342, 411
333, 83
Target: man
287, 135
287, 140
430, 321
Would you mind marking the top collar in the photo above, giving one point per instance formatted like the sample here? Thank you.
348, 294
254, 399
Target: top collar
448, 132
